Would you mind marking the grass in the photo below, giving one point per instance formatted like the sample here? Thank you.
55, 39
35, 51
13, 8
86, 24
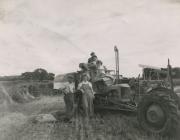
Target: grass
35, 88
106, 126
116, 127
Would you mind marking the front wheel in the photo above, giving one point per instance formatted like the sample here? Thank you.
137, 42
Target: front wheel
157, 113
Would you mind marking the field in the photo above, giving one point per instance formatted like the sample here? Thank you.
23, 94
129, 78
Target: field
17, 123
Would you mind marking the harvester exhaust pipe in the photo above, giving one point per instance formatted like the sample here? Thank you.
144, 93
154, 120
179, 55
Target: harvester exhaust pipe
170, 76
117, 63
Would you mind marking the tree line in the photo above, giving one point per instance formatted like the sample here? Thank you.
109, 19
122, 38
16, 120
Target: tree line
38, 74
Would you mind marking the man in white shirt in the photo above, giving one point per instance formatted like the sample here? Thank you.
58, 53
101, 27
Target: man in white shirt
69, 96
100, 68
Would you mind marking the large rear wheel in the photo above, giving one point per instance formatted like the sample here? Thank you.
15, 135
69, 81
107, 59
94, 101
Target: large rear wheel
157, 113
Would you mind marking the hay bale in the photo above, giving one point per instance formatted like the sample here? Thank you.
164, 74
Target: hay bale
4, 95
21, 94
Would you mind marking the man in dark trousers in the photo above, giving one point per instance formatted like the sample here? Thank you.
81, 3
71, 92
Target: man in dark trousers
69, 96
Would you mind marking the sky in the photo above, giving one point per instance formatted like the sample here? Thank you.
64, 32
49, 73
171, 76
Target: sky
57, 35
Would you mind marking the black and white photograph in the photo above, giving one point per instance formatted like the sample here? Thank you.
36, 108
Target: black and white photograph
89, 69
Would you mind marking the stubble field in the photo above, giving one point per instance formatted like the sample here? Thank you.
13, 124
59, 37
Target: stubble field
17, 124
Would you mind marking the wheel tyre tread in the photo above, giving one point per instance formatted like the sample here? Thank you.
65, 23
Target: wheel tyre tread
171, 111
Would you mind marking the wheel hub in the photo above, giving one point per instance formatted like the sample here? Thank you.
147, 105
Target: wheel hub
155, 114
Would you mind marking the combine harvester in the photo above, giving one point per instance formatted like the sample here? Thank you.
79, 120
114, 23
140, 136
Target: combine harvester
157, 107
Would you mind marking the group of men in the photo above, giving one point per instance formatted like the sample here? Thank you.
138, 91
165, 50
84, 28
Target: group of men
94, 68
89, 71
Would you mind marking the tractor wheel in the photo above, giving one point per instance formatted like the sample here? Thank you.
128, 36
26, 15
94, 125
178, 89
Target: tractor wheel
157, 113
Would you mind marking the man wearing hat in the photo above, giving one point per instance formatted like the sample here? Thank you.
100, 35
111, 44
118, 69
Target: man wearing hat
92, 65
92, 58
69, 96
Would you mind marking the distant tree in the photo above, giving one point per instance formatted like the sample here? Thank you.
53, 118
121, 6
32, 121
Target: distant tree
27, 75
51, 76
38, 74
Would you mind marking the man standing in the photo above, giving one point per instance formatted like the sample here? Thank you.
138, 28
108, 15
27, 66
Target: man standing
69, 96
87, 96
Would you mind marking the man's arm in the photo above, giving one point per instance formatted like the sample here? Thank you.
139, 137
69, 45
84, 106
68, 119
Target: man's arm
89, 60
63, 90
91, 88
80, 87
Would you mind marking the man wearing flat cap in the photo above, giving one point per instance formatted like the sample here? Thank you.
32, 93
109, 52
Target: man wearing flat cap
92, 58
69, 96
92, 65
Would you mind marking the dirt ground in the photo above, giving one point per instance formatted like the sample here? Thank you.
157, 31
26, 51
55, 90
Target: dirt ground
16, 124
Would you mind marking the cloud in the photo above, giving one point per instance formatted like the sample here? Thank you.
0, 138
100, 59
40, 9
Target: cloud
61, 34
